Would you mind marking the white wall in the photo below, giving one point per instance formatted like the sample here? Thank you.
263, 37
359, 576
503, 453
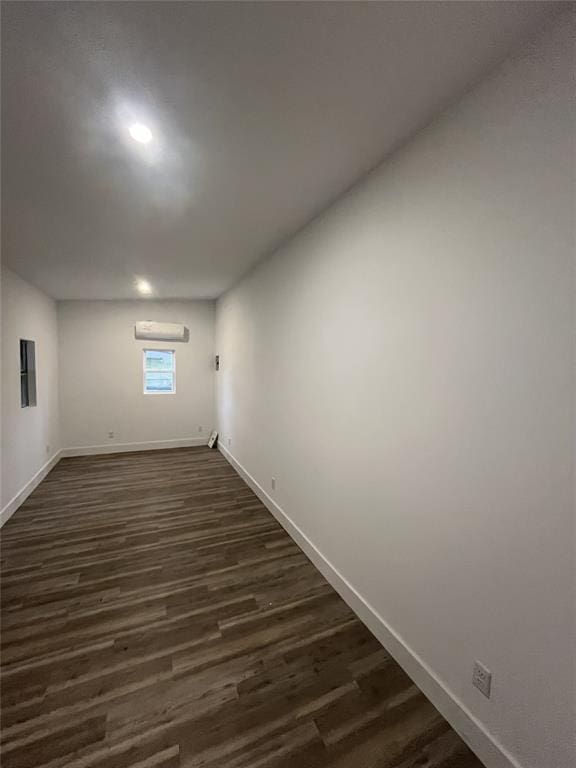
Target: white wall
405, 369
101, 384
30, 436
1, 407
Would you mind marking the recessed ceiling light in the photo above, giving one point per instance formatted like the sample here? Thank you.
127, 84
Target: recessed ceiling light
140, 133
143, 287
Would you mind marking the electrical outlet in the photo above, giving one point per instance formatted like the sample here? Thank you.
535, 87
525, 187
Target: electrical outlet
111, 435
229, 442
47, 449
482, 678
200, 429
273, 483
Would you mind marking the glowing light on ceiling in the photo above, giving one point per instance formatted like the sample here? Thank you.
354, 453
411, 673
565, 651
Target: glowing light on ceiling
140, 133
143, 287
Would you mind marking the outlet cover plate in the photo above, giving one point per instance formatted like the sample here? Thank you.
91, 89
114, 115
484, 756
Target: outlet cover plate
482, 678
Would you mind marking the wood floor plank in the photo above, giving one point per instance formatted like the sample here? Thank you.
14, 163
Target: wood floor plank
155, 615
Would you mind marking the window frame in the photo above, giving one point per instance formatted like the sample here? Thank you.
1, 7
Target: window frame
172, 370
28, 384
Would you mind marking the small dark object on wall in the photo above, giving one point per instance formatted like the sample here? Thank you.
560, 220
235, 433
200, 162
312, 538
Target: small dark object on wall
217, 362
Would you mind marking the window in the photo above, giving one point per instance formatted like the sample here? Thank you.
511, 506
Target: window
159, 371
27, 374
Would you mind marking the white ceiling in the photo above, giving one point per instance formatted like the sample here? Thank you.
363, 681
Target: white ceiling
262, 113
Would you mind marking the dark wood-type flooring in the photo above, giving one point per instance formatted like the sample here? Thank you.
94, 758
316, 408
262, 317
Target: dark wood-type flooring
155, 615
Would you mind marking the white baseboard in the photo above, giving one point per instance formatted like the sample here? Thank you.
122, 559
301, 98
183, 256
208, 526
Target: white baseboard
23, 494
472, 731
152, 445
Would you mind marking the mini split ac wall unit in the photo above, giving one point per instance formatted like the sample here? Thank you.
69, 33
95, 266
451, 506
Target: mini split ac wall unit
149, 330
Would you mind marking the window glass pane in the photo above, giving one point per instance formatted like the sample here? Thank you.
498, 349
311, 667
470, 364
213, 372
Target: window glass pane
23, 362
159, 360
24, 402
159, 382
27, 373
31, 370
